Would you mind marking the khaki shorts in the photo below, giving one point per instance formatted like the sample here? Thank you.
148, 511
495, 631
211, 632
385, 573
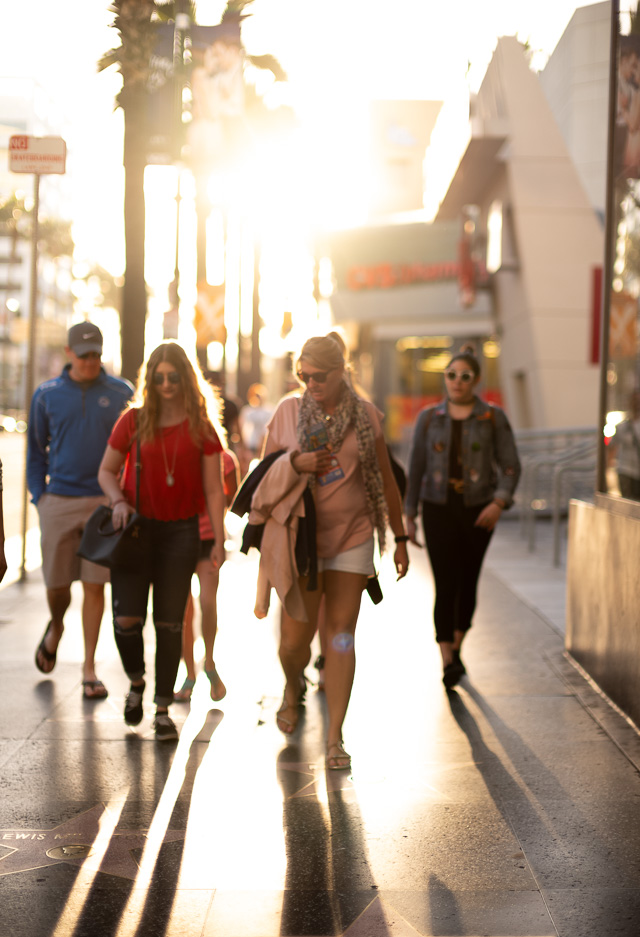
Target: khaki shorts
62, 521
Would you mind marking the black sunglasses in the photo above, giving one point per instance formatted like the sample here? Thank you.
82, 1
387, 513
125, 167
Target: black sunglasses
90, 356
173, 377
465, 376
319, 377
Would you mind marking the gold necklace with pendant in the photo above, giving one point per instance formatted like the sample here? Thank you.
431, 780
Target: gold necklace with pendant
170, 477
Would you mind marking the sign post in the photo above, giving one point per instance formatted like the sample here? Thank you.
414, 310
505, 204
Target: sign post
36, 155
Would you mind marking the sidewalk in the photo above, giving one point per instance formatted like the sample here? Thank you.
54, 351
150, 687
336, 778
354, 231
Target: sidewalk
507, 808
531, 575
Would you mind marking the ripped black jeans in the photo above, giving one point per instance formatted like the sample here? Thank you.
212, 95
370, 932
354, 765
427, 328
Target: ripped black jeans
174, 554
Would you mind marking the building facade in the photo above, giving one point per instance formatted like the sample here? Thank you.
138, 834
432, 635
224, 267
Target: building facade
519, 230
544, 240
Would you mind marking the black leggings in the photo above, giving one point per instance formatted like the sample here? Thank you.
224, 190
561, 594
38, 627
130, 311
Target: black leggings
456, 549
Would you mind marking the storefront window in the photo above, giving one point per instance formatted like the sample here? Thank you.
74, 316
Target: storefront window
420, 362
621, 377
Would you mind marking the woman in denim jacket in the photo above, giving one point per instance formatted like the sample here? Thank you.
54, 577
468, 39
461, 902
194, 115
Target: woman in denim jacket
464, 468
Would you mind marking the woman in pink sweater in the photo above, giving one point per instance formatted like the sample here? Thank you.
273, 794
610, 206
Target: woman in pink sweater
335, 438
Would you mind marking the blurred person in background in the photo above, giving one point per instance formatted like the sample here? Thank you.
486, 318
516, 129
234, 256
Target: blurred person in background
254, 417
231, 406
208, 578
624, 450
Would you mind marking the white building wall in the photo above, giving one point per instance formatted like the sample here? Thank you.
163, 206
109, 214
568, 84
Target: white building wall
543, 298
576, 84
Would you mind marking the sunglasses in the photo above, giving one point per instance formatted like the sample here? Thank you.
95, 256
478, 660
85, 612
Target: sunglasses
319, 377
465, 376
90, 356
173, 377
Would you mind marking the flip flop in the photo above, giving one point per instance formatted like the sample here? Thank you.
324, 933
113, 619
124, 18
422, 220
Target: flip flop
100, 690
48, 655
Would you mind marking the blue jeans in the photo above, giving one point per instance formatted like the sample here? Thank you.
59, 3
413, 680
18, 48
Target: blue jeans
174, 554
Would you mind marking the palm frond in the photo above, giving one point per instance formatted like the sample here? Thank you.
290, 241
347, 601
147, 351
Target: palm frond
234, 10
112, 57
268, 63
134, 20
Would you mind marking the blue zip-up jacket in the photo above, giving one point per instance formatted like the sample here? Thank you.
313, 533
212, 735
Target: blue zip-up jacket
491, 467
69, 426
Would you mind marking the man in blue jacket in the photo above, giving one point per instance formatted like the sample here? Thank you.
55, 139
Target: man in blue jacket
70, 420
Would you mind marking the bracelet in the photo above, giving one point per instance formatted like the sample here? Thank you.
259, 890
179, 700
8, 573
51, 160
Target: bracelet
119, 501
403, 538
500, 504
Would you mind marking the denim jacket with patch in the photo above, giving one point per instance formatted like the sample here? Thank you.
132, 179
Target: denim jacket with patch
491, 467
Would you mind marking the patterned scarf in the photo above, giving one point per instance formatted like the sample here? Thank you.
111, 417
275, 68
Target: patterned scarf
350, 410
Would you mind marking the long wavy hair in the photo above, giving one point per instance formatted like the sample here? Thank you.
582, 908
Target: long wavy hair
202, 402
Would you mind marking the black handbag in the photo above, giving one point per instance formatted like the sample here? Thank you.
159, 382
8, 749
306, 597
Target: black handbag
128, 547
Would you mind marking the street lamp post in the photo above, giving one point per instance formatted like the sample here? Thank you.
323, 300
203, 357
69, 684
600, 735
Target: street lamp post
181, 26
35, 155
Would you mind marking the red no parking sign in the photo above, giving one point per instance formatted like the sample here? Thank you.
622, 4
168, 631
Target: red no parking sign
37, 154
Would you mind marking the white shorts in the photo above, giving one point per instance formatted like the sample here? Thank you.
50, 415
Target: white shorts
356, 560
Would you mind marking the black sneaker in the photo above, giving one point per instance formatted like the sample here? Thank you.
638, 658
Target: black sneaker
458, 660
165, 728
133, 711
452, 674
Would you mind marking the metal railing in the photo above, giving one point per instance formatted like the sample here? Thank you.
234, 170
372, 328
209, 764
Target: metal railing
557, 465
588, 468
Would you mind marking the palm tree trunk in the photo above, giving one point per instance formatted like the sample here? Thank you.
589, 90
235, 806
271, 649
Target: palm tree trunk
134, 294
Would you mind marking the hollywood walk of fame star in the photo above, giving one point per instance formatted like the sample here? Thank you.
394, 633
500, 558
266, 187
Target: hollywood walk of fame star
379, 919
37, 849
343, 783
316, 774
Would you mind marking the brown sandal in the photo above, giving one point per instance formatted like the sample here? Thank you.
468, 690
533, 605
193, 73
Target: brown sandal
288, 726
341, 760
